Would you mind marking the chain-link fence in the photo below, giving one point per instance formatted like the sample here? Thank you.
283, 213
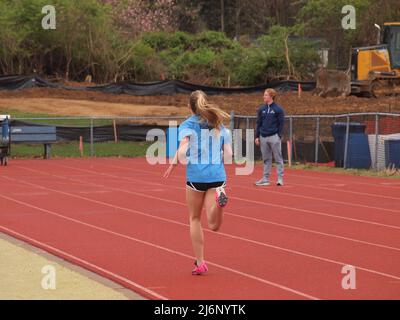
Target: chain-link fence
359, 140
92, 136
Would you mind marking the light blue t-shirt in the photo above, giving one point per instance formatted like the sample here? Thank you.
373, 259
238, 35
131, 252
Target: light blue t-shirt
204, 155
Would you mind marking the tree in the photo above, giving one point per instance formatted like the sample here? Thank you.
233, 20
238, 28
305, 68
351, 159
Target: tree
323, 18
136, 16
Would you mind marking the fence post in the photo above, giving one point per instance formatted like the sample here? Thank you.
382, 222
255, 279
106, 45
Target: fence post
346, 142
247, 122
232, 122
376, 140
115, 131
291, 138
91, 137
316, 141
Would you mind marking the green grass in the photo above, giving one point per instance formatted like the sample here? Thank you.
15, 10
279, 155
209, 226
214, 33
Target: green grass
71, 150
70, 122
394, 174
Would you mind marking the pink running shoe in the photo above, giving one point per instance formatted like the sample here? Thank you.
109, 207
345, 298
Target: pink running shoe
220, 197
199, 270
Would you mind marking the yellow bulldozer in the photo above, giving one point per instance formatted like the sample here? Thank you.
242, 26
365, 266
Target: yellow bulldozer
373, 71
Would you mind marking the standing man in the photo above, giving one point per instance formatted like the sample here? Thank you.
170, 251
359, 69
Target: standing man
270, 121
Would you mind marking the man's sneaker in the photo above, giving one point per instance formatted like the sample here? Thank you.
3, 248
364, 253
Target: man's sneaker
262, 182
199, 269
279, 182
220, 197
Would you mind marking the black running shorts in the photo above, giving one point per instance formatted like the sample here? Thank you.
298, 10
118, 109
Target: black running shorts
204, 186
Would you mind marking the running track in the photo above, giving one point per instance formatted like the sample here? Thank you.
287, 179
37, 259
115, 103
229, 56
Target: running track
120, 219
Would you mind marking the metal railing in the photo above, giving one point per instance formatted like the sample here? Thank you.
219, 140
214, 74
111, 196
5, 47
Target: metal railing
317, 130
89, 127
310, 137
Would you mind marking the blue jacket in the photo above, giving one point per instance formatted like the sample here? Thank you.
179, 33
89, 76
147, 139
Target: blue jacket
270, 120
5, 129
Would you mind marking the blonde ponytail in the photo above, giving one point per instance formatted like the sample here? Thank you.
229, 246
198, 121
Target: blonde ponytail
207, 111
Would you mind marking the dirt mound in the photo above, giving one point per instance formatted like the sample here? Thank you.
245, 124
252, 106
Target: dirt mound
68, 102
70, 107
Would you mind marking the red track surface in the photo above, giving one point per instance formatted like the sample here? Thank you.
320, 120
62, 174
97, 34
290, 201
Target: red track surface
119, 218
